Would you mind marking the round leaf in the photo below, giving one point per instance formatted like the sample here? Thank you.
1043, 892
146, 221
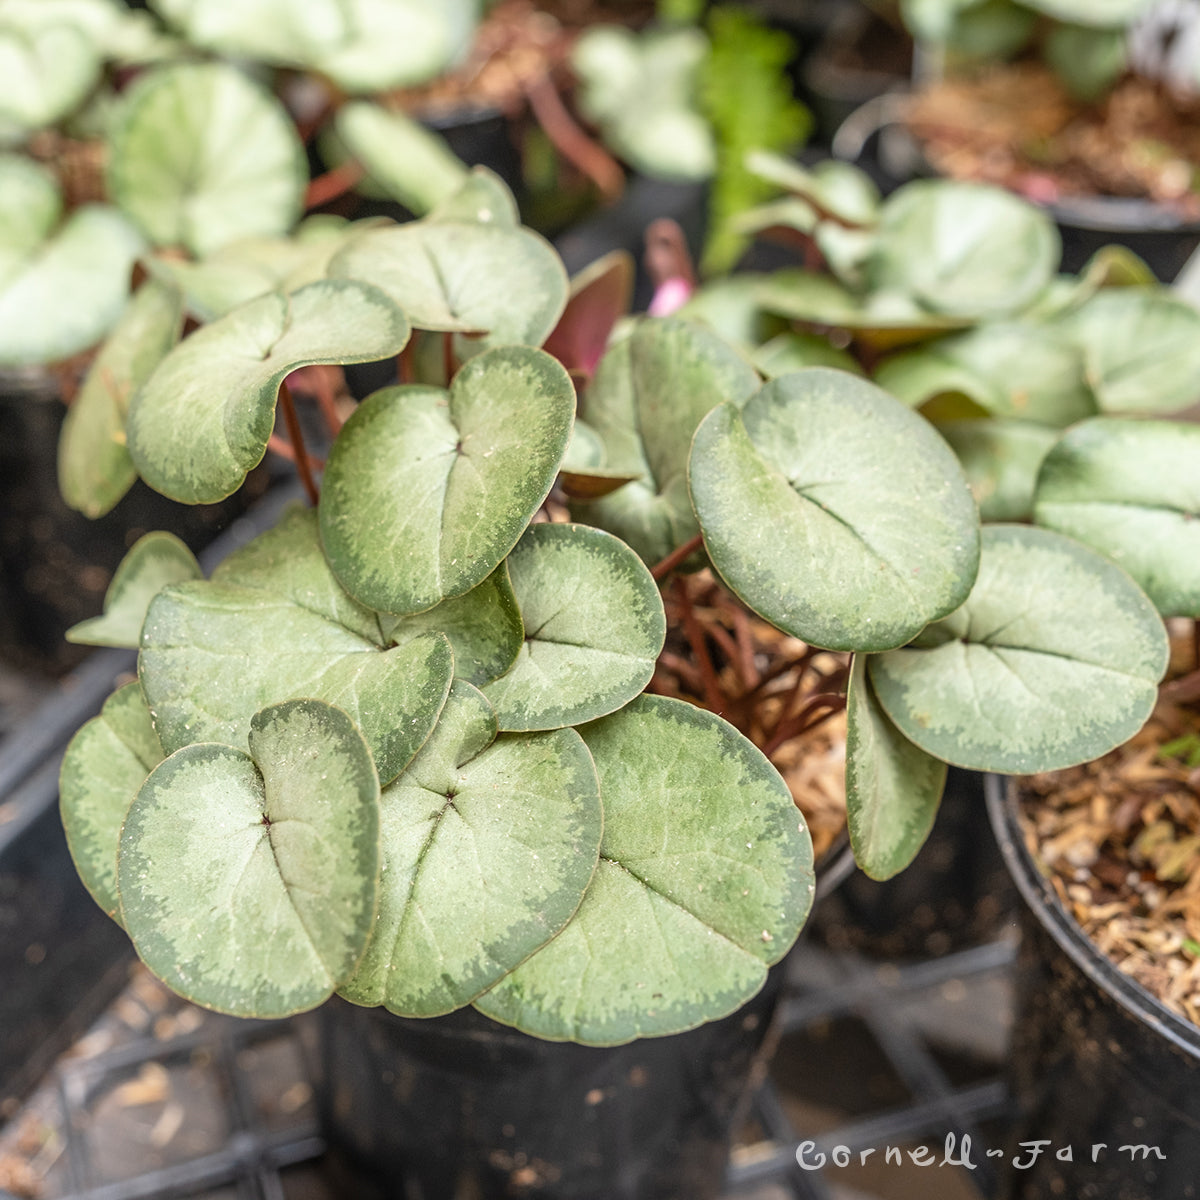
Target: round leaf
248, 882
426, 491
1010, 369
465, 277
202, 420
594, 627
834, 512
201, 156
397, 43
94, 467
68, 294
963, 249
1131, 489
1053, 660
48, 69
893, 789
154, 562
1141, 349
214, 653
30, 204
104, 767
705, 878
488, 847
410, 162
276, 31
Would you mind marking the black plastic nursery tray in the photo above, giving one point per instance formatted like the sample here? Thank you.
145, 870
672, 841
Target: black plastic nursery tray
162, 1100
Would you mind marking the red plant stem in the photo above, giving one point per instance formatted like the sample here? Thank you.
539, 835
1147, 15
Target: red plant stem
745, 645
326, 393
713, 695
571, 141
328, 187
663, 568
684, 669
296, 437
1196, 644
405, 370
723, 638
834, 702
448, 355
281, 446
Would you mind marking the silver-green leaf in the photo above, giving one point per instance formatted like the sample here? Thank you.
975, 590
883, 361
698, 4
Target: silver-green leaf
154, 562
104, 767
488, 846
1053, 660
705, 878
834, 512
214, 653
1131, 489
201, 156
594, 626
203, 418
94, 467
249, 881
893, 789
426, 491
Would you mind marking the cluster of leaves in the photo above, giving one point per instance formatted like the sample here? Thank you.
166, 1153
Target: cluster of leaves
1085, 42
201, 163
398, 747
1044, 386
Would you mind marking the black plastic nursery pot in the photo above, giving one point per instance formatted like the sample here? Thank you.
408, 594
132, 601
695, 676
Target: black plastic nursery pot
1106, 1079
462, 1108
877, 141
955, 893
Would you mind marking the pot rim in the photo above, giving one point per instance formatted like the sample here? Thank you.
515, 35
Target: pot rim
1001, 796
882, 118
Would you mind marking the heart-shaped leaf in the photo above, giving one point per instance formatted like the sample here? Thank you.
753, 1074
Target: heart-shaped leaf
397, 43
1052, 661
594, 626
94, 467
482, 197
426, 491
1010, 369
464, 277
214, 653
105, 765
1141, 349
30, 205
963, 249
67, 295
705, 878
483, 626
648, 395
251, 267
48, 68
834, 512
287, 561
893, 789
154, 562
200, 156
274, 31
202, 420
488, 847
249, 881
1001, 460
410, 162
1131, 489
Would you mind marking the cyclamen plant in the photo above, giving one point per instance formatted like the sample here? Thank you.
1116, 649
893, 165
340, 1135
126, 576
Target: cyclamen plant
400, 747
